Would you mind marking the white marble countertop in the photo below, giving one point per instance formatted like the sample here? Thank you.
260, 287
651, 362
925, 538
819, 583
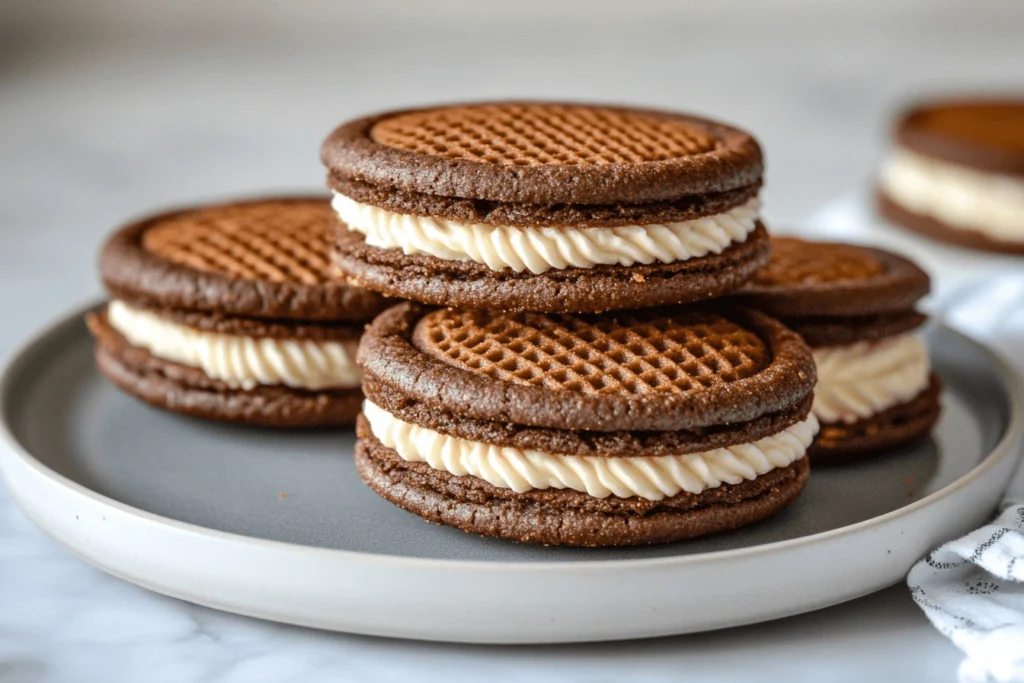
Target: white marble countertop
108, 110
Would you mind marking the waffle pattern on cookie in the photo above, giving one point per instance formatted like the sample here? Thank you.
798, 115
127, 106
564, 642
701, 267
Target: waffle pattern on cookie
539, 134
795, 262
634, 353
275, 241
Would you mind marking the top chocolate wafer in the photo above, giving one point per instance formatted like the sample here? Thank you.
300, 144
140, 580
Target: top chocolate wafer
544, 153
812, 279
982, 134
267, 258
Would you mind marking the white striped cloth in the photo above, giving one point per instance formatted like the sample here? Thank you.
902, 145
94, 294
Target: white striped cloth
972, 589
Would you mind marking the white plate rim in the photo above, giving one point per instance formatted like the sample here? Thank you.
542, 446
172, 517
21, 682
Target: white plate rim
1004, 449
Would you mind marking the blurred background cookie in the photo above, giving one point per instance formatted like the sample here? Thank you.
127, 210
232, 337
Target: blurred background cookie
957, 173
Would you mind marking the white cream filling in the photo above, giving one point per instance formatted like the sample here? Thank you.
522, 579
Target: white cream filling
653, 478
240, 362
541, 249
958, 196
859, 380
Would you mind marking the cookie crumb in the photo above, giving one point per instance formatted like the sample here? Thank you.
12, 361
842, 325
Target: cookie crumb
637, 277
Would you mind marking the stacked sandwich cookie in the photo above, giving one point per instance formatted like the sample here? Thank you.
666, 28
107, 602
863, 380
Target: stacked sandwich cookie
567, 396
230, 312
589, 430
957, 173
544, 207
855, 307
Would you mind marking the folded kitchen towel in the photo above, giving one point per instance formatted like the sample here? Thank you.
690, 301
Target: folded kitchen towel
972, 588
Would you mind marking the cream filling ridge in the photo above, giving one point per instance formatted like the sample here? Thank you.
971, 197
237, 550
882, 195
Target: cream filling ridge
860, 380
240, 362
958, 196
653, 478
541, 249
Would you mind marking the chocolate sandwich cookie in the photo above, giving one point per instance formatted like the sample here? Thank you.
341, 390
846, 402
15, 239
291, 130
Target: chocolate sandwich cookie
609, 429
957, 173
230, 312
855, 307
545, 207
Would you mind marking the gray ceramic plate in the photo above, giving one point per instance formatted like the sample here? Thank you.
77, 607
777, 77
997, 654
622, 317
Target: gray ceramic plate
278, 525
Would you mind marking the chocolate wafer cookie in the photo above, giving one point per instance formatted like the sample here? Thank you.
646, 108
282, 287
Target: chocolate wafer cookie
855, 307
609, 429
545, 207
957, 173
230, 312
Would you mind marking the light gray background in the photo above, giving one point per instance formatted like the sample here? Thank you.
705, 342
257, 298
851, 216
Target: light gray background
111, 109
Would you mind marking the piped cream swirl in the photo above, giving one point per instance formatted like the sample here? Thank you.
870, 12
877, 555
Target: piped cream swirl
653, 478
240, 362
859, 380
541, 249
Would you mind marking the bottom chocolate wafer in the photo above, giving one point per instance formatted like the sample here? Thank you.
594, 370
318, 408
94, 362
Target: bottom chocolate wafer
935, 229
567, 517
900, 425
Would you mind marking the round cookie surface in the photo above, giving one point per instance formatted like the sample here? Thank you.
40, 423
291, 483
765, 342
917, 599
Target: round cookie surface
987, 135
544, 153
264, 258
654, 369
806, 280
